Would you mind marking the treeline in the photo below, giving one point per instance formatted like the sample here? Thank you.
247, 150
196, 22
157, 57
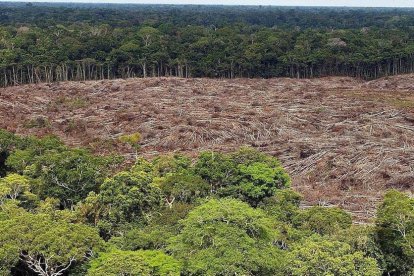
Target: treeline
129, 15
67, 212
76, 51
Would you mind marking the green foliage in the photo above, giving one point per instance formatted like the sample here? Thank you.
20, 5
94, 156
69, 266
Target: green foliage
143, 262
124, 198
66, 174
14, 185
227, 237
361, 238
395, 231
225, 214
259, 180
8, 142
41, 43
163, 226
69, 175
19, 160
246, 174
283, 205
217, 169
323, 220
182, 187
130, 193
147, 238
249, 156
8, 258
132, 140
167, 164
316, 256
45, 245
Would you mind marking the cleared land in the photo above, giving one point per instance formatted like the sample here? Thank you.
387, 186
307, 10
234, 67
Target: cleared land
343, 141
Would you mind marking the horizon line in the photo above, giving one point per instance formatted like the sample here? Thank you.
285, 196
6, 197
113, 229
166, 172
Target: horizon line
121, 2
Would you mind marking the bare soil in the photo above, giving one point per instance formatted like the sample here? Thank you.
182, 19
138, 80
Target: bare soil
344, 141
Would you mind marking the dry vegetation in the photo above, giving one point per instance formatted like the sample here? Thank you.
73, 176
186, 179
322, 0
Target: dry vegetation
343, 141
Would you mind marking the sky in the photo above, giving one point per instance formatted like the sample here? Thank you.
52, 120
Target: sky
348, 3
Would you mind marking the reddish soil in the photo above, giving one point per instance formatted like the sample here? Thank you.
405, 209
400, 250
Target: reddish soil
343, 141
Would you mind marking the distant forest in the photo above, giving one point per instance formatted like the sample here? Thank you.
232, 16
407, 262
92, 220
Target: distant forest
42, 42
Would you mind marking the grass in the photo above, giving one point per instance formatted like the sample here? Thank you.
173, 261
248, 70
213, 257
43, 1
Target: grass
388, 99
69, 103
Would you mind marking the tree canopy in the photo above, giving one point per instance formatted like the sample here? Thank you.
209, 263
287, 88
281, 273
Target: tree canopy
144, 262
45, 245
217, 214
42, 42
227, 237
317, 256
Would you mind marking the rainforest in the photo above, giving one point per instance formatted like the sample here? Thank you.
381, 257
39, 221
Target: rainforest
162, 140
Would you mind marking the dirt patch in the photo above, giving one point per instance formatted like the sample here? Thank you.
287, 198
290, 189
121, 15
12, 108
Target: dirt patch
342, 140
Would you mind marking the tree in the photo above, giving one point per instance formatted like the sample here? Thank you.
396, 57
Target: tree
129, 194
142, 262
217, 169
69, 175
124, 198
316, 256
246, 174
323, 220
227, 237
47, 247
164, 165
148, 35
132, 140
395, 232
259, 180
13, 186
182, 187
163, 225
8, 142
283, 205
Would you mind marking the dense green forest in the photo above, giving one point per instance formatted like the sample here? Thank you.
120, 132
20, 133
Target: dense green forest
66, 211
59, 42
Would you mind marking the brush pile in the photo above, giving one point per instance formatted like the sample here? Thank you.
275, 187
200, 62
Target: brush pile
343, 141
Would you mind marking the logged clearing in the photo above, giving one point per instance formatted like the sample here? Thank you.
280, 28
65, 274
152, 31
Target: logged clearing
343, 141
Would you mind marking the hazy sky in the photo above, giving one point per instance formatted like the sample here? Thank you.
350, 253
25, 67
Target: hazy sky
353, 3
